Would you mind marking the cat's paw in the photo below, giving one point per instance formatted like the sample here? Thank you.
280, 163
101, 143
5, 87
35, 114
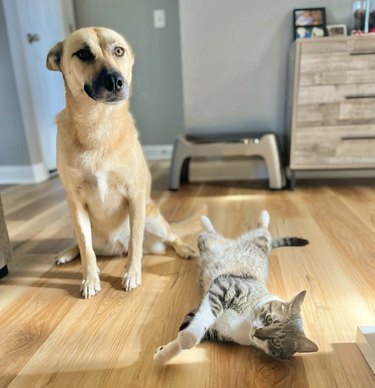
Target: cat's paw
164, 353
187, 339
161, 355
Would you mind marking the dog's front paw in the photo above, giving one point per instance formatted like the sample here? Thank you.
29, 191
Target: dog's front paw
188, 253
67, 255
187, 339
90, 287
183, 250
131, 280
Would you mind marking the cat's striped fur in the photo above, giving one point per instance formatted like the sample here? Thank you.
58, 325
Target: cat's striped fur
236, 304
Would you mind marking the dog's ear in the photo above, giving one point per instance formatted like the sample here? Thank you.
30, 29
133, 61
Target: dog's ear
54, 57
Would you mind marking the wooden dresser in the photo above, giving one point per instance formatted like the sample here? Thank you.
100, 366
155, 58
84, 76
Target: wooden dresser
331, 104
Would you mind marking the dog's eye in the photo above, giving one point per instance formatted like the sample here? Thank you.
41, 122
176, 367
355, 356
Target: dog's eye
119, 51
84, 55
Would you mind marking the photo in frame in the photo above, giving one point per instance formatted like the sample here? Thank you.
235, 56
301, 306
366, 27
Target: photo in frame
309, 23
337, 30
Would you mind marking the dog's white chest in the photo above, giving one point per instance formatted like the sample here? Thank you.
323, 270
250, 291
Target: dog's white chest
102, 186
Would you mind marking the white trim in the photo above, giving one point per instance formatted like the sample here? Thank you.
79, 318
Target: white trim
33, 173
366, 343
158, 152
68, 14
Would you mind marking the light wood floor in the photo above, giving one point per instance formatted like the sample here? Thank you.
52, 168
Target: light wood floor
49, 336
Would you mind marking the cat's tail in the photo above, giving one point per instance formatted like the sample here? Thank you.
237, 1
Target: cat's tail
288, 242
207, 224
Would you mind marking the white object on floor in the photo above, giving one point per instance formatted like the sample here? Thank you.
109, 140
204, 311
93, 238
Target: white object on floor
366, 342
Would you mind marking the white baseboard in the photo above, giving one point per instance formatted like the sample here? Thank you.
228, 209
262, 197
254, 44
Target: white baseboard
158, 152
366, 343
33, 173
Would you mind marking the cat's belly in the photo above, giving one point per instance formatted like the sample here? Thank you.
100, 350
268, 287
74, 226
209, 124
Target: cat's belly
235, 327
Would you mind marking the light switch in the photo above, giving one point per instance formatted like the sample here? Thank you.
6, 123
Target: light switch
159, 18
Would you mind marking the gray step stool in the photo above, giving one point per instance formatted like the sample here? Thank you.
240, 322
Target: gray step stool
190, 146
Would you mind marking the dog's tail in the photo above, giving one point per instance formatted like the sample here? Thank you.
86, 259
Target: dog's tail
190, 225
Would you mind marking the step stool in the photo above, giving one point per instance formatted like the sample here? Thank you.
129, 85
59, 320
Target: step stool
191, 146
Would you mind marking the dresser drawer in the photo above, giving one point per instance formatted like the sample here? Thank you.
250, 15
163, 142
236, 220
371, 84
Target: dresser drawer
327, 94
346, 112
332, 116
354, 45
334, 147
337, 61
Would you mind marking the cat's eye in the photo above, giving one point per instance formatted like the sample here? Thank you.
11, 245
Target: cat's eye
268, 319
276, 342
119, 51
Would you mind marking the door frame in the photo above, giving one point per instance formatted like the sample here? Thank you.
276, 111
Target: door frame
18, 56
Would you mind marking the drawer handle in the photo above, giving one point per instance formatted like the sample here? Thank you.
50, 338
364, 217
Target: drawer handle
359, 96
362, 53
358, 138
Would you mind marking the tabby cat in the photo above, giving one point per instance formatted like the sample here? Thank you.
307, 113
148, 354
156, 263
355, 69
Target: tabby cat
237, 305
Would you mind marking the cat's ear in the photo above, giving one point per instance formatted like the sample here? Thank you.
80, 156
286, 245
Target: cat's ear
306, 346
296, 302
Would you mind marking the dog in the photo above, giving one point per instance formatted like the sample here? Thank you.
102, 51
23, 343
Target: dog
100, 160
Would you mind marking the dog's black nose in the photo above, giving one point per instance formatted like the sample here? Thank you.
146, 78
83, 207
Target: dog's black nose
113, 82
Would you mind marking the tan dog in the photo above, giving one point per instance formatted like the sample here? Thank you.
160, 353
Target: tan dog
100, 160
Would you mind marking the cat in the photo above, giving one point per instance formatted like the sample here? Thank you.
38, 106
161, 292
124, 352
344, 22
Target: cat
236, 304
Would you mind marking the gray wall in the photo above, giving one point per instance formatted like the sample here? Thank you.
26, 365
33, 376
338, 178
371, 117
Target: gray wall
157, 89
13, 146
234, 61
234, 56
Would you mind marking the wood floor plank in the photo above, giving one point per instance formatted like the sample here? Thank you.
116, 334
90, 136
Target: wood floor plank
51, 337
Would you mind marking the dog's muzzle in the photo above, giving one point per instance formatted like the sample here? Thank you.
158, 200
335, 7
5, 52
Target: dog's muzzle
109, 86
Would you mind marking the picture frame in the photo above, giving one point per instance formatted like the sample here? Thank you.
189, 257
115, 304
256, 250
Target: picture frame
309, 23
337, 30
